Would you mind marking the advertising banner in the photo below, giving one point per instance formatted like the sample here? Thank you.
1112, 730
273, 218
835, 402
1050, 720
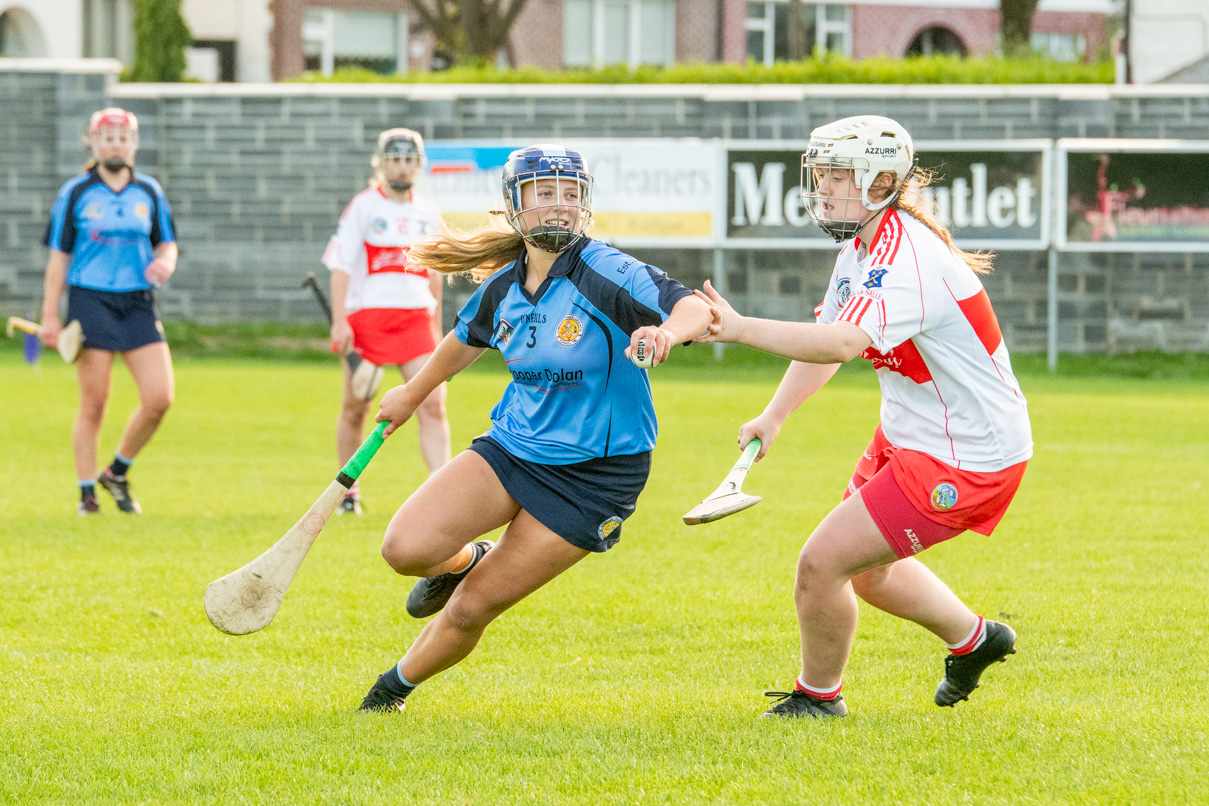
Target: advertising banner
989, 194
645, 192
1133, 196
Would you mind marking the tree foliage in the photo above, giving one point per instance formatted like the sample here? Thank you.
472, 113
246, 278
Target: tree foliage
470, 31
161, 37
1016, 26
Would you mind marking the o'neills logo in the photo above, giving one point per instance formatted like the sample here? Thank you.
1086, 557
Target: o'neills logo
570, 330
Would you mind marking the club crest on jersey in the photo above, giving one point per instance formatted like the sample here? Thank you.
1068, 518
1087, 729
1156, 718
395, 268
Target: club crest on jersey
93, 211
141, 211
570, 330
944, 496
379, 225
608, 528
843, 290
504, 331
875, 277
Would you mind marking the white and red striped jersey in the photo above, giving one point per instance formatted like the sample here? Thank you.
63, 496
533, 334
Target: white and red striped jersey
947, 384
371, 245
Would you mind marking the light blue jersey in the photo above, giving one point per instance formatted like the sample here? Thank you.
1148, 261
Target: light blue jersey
111, 237
574, 395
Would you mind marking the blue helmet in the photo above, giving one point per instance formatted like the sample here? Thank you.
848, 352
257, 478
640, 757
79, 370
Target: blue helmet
552, 225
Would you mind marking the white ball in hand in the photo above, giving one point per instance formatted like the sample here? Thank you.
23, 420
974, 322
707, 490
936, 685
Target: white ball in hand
641, 356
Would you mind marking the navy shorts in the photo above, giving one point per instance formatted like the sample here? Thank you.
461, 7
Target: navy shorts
116, 321
583, 503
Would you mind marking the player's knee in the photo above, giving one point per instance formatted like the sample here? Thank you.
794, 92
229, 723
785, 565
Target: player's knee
408, 557
157, 405
92, 410
814, 569
433, 408
868, 585
471, 610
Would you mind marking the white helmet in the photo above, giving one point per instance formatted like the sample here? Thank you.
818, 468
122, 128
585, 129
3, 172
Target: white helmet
867, 145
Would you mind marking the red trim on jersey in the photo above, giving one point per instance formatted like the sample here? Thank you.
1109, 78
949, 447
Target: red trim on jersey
981, 316
383, 259
886, 240
855, 309
905, 359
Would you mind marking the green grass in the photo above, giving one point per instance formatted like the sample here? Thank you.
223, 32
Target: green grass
637, 676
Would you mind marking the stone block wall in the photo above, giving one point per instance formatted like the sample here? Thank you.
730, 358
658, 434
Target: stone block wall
258, 175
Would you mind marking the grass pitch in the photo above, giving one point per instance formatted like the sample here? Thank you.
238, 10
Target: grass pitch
637, 676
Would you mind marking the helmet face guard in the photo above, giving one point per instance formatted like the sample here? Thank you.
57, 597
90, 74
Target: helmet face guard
402, 145
840, 166
545, 179
113, 128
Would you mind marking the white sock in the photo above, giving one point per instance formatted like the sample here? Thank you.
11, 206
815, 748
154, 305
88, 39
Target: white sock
971, 641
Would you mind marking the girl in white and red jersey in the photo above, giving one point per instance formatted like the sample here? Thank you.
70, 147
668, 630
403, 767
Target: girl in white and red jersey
954, 436
383, 308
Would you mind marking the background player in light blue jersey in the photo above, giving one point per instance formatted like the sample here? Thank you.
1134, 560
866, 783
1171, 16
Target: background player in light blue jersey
570, 442
111, 241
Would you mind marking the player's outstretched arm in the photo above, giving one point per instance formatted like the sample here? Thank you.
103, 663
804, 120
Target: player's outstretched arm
832, 343
450, 358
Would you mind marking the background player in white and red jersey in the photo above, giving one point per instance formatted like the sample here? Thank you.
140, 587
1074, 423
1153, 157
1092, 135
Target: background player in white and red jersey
386, 310
954, 435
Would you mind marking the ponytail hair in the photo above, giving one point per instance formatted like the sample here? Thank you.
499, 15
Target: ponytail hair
915, 203
479, 254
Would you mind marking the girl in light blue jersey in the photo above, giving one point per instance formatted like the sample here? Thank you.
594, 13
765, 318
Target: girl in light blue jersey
111, 241
569, 446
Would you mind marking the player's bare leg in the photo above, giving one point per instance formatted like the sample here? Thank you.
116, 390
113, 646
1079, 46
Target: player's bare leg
432, 422
845, 544
432, 531
527, 557
93, 369
909, 590
350, 425
151, 368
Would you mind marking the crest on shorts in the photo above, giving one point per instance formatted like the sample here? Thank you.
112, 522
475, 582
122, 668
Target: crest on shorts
570, 330
504, 331
875, 277
607, 528
843, 290
944, 495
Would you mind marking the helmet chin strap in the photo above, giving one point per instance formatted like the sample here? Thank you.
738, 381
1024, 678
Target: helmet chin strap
551, 239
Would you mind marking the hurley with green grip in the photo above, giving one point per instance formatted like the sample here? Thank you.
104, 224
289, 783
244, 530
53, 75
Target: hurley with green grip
246, 600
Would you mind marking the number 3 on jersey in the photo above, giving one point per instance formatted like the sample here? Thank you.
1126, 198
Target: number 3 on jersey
532, 337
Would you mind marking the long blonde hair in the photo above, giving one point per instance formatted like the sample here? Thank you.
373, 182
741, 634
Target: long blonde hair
480, 253
913, 202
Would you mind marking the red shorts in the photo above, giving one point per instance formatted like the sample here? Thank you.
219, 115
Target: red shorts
918, 501
387, 336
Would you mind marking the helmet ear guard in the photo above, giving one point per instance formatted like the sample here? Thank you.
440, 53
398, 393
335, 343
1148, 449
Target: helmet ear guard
547, 162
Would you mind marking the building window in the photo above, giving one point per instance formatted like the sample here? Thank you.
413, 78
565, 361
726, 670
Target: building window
597, 33
827, 28
20, 36
936, 40
371, 40
108, 28
1060, 47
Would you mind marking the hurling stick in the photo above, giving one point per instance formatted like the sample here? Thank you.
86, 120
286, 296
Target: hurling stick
366, 377
246, 600
729, 498
71, 337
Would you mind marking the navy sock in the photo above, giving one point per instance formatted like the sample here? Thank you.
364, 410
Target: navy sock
87, 491
396, 681
120, 465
